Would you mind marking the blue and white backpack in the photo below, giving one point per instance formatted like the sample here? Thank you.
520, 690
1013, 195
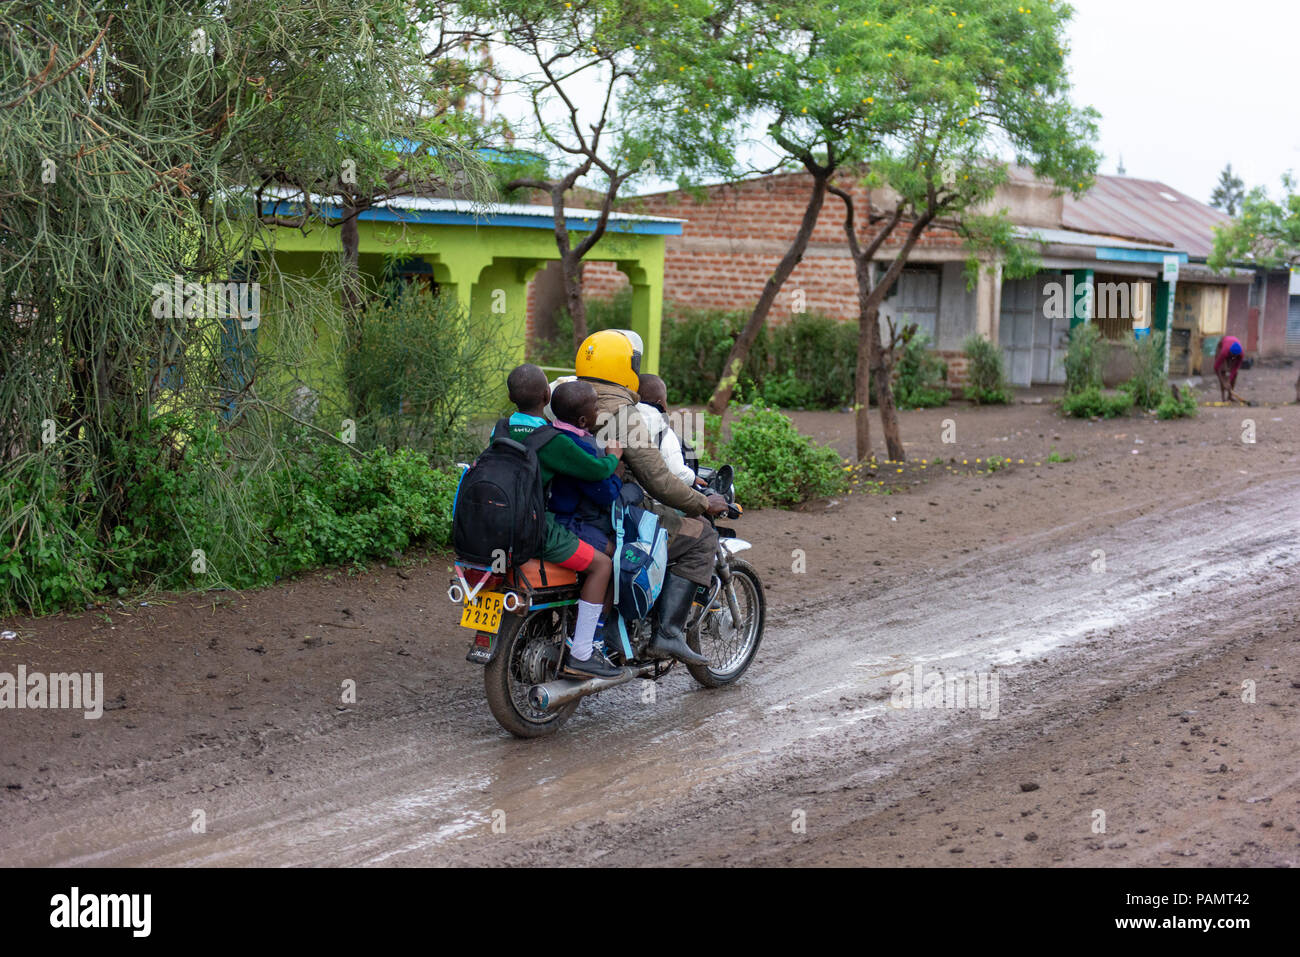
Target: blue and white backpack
640, 557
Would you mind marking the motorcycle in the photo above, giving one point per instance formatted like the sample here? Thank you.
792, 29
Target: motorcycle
521, 619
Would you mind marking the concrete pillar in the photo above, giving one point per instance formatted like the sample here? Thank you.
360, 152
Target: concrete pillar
1162, 319
1084, 306
500, 294
647, 309
988, 301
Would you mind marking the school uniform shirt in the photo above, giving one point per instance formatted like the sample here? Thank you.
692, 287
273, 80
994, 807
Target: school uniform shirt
561, 458
662, 436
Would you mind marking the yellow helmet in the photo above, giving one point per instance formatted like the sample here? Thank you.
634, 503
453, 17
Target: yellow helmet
611, 355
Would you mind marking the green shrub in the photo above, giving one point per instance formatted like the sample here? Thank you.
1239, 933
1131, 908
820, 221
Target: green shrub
921, 376
1149, 385
776, 465
812, 363
986, 381
693, 348
48, 549
1085, 359
787, 391
1093, 403
806, 363
1182, 407
346, 510
187, 490
421, 369
615, 313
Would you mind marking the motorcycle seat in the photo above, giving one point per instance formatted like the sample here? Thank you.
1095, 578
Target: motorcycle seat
530, 572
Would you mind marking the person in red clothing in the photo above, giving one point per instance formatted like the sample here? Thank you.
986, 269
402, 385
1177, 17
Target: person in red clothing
1227, 363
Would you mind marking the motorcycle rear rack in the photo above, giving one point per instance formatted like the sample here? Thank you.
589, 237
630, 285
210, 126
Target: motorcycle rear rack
520, 586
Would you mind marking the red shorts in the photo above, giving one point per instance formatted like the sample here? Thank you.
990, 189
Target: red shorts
580, 560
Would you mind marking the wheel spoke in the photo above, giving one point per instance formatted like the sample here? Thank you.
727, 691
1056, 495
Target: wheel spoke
728, 645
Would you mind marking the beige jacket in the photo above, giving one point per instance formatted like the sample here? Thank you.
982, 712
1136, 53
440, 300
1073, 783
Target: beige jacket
621, 421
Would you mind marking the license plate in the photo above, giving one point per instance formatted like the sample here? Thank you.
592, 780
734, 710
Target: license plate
484, 613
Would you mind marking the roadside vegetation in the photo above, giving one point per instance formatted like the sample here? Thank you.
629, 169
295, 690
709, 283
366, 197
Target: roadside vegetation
922, 376
776, 465
986, 378
1148, 390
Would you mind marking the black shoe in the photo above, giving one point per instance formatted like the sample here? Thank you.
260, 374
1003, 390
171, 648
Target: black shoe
674, 606
597, 666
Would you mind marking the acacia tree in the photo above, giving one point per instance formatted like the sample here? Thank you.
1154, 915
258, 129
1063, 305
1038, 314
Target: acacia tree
784, 68
1266, 234
960, 91
421, 140
902, 91
582, 63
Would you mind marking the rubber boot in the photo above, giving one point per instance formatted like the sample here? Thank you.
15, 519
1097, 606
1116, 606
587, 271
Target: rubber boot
674, 606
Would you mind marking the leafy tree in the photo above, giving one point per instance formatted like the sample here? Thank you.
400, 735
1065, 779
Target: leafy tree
425, 140
959, 89
1229, 192
568, 52
1266, 233
782, 67
134, 136
919, 103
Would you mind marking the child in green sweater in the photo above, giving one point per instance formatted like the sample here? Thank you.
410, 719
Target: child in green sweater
530, 392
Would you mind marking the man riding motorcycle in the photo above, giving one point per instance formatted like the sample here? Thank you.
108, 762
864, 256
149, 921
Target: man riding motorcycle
611, 361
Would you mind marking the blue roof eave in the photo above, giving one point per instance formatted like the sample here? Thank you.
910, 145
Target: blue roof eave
446, 217
1139, 255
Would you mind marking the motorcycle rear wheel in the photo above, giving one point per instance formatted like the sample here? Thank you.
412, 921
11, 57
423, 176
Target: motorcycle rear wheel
730, 650
516, 668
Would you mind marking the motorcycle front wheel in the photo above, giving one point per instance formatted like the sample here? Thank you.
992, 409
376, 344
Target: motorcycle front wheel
528, 656
730, 645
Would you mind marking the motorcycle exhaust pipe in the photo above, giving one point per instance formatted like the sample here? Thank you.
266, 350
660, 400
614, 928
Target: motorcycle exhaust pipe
562, 691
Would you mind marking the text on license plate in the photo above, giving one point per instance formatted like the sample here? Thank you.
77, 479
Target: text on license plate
484, 613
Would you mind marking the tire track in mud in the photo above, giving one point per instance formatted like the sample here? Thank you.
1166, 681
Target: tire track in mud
631, 781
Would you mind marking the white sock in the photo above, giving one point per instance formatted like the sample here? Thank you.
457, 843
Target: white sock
588, 615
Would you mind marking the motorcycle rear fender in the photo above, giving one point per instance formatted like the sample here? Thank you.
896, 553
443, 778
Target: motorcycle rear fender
477, 655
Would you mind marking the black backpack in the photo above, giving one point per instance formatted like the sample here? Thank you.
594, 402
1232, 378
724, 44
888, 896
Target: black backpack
501, 504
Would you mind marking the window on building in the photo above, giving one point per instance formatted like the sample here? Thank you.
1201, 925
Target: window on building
1121, 305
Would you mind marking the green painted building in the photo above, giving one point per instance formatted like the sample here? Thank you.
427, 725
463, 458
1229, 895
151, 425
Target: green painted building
485, 254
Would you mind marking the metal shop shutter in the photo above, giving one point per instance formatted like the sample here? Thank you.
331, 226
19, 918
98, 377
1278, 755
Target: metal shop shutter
916, 301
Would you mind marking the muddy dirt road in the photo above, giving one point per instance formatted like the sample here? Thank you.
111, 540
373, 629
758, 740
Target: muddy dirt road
1109, 635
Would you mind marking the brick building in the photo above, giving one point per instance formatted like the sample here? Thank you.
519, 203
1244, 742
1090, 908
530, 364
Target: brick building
735, 236
1136, 237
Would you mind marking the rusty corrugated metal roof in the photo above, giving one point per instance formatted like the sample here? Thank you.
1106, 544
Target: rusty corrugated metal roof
1146, 211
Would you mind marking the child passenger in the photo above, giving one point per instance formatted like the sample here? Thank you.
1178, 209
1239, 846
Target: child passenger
560, 457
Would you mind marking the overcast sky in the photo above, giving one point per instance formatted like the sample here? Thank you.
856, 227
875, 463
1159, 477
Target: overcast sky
1187, 86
